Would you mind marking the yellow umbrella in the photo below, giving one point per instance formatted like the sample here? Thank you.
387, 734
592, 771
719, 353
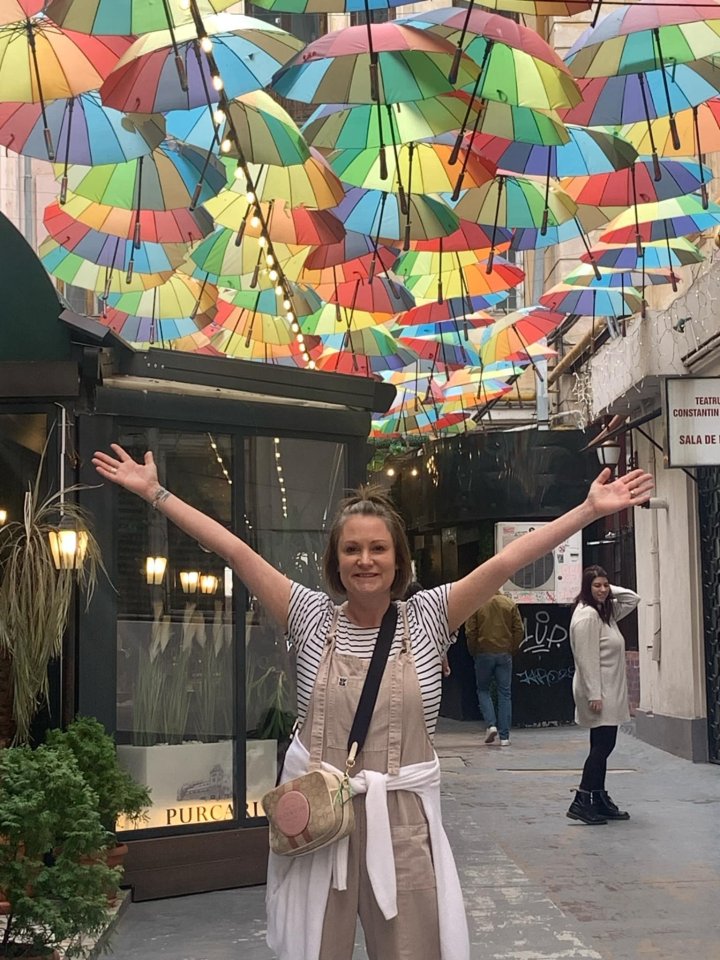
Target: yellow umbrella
311, 184
70, 268
179, 296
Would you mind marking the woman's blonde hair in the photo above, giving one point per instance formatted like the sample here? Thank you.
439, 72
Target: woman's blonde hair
369, 502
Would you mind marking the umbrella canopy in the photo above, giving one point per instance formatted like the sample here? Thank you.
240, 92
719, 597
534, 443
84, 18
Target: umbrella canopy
254, 325
353, 246
292, 225
379, 214
362, 268
378, 296
448, 349
678, 217
364, 352
592, 301
311, 184
584, 276
472, 280
82, 131
453, 311
246, 51
164, 180
71, 268
152, 330
178, 297
540, 8
13, 10
468, 236
656, 256
331, 319
638, 184
233, 344
409, 65
171, 226
420, 262
415, 167
304, 301
128, 17
230, 265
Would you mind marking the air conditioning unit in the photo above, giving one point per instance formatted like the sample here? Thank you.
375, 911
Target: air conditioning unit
553, 578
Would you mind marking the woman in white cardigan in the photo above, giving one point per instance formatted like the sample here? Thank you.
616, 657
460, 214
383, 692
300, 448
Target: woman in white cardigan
599, 687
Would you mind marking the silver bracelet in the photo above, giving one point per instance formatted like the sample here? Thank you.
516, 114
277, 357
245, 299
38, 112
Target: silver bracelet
158, 497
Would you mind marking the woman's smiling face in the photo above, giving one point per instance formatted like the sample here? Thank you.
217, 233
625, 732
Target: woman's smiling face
366, 556
600, 588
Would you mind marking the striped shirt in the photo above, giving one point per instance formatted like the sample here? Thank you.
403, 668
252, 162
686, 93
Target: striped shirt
309, 619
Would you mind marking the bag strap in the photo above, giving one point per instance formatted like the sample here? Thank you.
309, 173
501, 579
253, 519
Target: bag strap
371, 687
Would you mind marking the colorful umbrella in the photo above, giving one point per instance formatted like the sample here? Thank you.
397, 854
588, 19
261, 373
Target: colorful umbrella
516, 64
70, 268
656, 256
380, 215
540, 8
364, 352
472, 280
175, 175
511, 121
333, 319
13, 10
178, 297
468, 236
586, 301
254, 325
380, 63
448, 349
412, 167
678, 217
516, 202
246, 53
637, 184
233, 344
303, 300
228, 264
126, 17
584, 276
152, 330
298, 225
362, 268
378, 296
171, 226
82, 131
453, 311
39, 62
352, 247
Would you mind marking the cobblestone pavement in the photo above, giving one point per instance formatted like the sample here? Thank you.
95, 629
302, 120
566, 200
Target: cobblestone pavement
537, 885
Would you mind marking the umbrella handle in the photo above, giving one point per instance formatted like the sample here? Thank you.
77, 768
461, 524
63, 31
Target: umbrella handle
374, 80
455, 66
383, 164
63, 189
458, 185
544, 224
181, 72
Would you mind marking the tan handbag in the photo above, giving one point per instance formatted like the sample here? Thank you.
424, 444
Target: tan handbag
316, 809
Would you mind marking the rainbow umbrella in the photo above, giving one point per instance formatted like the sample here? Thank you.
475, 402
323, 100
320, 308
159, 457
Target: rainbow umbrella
678, 217
171, 226
381, 63
332, 319
539, 8
592, 301
230, 265
509, 120
451, 349
304, 301
152, 330
175, 175
637, 184
377, 296
515, 202
128, 17
379, 214
364, 352
462, 327
584, 276
353, 247
659, 255
254, 325
234, 344
311, 184
420, 262
13, 10
177, 297
284, 224
468, 236
472, 280
82, 131
71, 268
39, 62
246, 54
362, 268
647, 36
450, 312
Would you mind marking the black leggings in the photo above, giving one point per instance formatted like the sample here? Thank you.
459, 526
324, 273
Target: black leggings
602, 744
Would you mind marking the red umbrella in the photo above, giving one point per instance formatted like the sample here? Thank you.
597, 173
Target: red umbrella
468, 236
373, 296
441, 314
296, 226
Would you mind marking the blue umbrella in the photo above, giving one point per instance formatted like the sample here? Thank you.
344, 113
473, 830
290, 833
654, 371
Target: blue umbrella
380, 214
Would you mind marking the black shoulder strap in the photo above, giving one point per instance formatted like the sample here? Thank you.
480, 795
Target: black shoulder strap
371, 687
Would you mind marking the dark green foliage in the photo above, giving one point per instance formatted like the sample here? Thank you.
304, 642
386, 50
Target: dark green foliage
50, 833
96, 756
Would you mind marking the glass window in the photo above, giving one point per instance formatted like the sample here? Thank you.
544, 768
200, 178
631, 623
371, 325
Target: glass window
292, 491
22, 439
175, 649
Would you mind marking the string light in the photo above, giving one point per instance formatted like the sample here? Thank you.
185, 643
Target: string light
281, 479
218, 456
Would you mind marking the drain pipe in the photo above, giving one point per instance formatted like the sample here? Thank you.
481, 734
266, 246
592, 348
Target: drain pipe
571, 356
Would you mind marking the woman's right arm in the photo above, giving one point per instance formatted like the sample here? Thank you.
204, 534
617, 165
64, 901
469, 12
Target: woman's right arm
270, 586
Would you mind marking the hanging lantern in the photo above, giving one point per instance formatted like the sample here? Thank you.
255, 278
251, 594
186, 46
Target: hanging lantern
189, 581
208, 583
68, 544
155, 569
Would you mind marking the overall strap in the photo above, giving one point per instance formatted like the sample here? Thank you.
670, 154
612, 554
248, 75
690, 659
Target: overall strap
320, 694
397, 681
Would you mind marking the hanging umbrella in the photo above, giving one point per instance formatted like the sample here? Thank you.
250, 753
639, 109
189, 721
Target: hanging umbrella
510, 347
585, 221
107, 250
282, 223
449, 349
13, 10
678, 217
378, 296
516, 64
379, 214
234, 344
128, 17
407, 65
474, 279
516, 202
468, 236
646, 36
171, 226
177, 297
82, 131
539, 8
246, 52
353, 246
659, 255
152, 330
453, 311
592, 301
332, 319
311, 184
364, 352
70, 268
39, 62
462, 327
637, 183
230, 265
362, 268
304, 301
423, 262
413, 167
584, 276
255, 325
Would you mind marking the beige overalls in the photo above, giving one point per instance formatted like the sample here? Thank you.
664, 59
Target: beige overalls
397, 736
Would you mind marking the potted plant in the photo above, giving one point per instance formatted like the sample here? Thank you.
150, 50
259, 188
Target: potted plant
119, 796
49, 825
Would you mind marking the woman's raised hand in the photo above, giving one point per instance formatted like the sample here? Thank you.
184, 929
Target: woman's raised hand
607, 496
139, 478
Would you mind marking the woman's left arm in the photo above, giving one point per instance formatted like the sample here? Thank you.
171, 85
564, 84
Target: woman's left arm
624, 601
605, 496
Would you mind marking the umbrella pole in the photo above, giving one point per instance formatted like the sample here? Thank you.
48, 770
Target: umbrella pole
461, 176
454, 69
671, 115
136, 229
241, 229
374, 78
491, 258
638, 239
526, 348
179, 63
480, 77
408, 222
338, 315
596, 269
398, 173
381, 154
673, 278
64, 181
36, 67
701, 158
546, 210
440, 283
656, 163
597, 13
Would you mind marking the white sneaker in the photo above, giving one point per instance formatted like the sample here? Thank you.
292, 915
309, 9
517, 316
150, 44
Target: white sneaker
490, 734
504, 743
